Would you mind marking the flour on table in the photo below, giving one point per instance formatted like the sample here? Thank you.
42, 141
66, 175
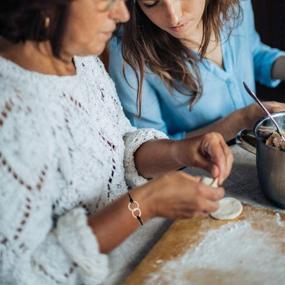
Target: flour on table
279, 220
235, 254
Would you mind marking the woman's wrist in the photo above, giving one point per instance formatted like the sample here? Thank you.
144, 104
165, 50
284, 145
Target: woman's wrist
278, 69
144, 196
242, 118
177, 152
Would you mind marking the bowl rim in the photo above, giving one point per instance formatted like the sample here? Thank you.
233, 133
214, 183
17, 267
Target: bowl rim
265, 118
260, 122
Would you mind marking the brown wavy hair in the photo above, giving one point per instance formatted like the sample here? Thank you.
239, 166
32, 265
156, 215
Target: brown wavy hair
146, 45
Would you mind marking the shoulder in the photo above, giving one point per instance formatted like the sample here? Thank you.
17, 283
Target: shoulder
245, 22
115, 44
95, 73
92, 66
246, 5
248, 16
116, 61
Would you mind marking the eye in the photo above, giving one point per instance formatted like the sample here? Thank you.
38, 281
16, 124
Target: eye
150, 4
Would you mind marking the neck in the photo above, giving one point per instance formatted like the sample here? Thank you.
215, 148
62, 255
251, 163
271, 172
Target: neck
37, 56
194, 39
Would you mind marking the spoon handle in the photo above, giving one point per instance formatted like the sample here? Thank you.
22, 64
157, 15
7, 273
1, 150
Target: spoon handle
250, 92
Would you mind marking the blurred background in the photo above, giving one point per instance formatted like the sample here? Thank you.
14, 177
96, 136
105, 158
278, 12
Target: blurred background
270, 23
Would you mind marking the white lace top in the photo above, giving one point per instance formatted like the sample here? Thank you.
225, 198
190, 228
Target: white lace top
65, 146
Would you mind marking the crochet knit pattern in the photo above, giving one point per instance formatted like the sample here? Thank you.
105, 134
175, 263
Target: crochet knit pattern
66, 150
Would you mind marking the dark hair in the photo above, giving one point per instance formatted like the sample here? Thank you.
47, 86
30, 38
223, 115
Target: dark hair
23, 20
146, 45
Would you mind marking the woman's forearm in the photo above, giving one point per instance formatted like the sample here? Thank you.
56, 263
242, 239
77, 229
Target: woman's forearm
278, 69
228, 127
113, 224
157, 157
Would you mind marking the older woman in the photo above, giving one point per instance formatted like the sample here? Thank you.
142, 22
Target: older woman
68, 154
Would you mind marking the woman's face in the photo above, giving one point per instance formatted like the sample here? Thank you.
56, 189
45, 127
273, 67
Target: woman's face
179, 18
91, 24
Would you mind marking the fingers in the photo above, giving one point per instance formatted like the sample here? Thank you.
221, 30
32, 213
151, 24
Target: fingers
213, 194
181, 195
229, 163
274, 106
253, 112
205, 198
191, 214
210, 206
219, 156
202, 205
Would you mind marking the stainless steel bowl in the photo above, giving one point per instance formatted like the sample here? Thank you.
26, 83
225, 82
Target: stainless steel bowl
270, 161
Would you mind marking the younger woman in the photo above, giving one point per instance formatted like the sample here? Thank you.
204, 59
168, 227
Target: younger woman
186, 61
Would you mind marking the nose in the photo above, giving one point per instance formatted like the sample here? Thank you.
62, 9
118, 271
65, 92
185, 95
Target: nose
174, 11
119, 11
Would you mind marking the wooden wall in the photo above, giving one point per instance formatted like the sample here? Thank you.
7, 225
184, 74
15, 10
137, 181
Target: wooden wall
270, 23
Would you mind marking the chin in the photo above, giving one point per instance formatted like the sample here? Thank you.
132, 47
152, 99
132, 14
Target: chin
100, 46
98, 49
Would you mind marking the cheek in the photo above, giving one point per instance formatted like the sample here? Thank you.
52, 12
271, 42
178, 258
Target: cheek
85, 42
194, 7
98, 43
156, 19
79, 32
199, 8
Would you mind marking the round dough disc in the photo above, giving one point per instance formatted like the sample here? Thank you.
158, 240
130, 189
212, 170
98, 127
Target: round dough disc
229, 209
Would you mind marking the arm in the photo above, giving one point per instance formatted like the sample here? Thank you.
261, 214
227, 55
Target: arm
264, 57
160, 197
36, 246
228, 127
278, 70
244, 118
209, 151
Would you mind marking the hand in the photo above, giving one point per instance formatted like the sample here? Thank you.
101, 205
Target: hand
209, 152
179, 195
253, 112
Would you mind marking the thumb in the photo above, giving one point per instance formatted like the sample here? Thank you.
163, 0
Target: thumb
196, 178
214, 170
211, 168
208, 165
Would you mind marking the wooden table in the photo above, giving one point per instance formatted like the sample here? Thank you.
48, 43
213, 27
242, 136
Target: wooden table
186, 234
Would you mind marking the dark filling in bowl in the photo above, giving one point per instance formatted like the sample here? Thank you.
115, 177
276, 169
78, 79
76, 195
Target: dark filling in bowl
271, 137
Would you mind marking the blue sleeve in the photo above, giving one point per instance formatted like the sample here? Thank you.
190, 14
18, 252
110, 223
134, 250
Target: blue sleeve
151, 116
177, 136
263, 56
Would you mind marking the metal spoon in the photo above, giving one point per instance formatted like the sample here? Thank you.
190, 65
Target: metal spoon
251, 93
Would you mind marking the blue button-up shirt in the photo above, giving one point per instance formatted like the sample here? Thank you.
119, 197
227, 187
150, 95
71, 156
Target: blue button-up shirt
245, 58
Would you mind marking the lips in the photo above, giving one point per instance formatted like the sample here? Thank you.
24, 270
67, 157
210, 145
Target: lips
176, 27
180, 27
108, 34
